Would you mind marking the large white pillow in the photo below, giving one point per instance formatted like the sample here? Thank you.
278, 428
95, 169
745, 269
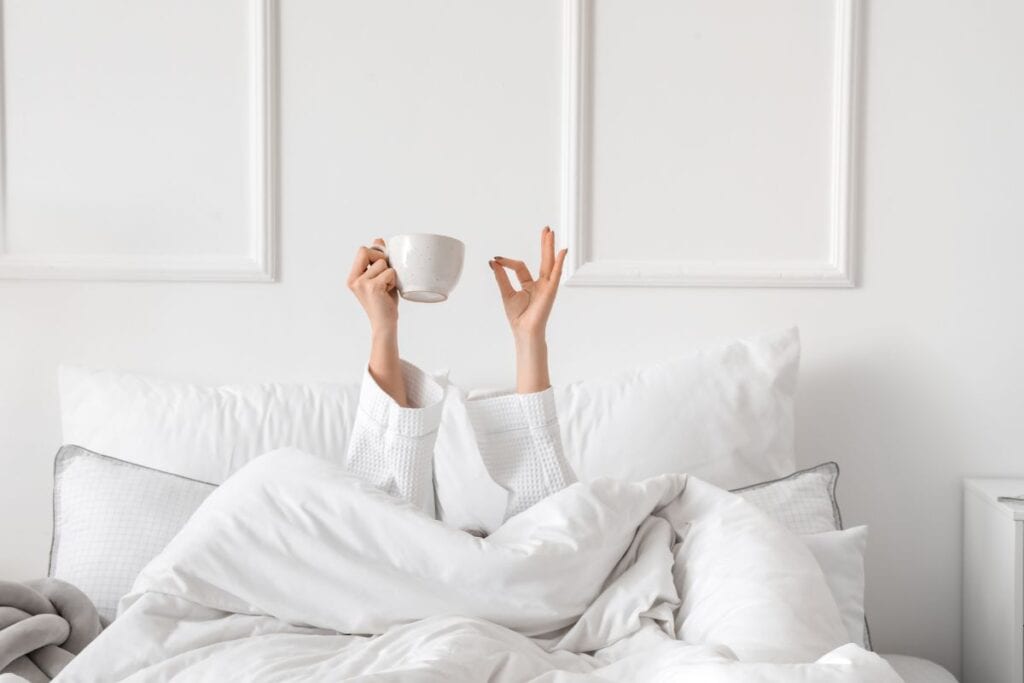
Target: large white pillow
205, 433
723, 414
749, 584
805, 503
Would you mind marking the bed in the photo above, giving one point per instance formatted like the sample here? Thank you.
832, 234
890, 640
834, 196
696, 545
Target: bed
180, 514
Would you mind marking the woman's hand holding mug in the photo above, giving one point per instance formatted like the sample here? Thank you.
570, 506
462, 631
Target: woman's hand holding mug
374, 283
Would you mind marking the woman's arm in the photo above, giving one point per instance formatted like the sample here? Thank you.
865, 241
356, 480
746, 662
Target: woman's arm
528, 309
518, 434
373, 283
392, 440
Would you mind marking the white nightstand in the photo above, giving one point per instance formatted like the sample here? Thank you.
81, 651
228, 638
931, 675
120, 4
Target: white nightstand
993, 588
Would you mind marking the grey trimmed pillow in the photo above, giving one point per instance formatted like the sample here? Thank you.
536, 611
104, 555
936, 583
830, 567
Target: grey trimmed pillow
110, 518
804, 502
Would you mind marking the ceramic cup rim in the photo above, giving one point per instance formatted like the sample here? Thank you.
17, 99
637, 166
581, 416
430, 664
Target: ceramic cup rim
434, 235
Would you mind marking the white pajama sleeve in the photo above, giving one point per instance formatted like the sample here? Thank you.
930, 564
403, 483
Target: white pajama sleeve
393, 447
521, 446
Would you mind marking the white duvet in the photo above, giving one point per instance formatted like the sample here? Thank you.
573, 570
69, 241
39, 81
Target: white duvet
294, 570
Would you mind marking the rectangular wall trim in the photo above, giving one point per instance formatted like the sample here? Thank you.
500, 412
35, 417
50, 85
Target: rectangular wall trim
259, 263
582, 269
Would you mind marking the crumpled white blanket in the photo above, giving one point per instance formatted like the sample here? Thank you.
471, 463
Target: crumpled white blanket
294, 570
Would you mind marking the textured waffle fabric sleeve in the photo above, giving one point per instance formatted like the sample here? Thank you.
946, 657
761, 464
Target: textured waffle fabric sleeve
520, 444
393, 447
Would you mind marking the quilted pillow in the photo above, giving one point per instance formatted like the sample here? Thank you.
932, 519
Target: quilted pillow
804, 502
110, 518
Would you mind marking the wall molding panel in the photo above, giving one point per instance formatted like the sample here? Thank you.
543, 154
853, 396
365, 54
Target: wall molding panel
258, 263
582, 269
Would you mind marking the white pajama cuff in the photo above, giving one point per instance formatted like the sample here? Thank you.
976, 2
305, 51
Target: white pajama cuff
508, 412
426, 400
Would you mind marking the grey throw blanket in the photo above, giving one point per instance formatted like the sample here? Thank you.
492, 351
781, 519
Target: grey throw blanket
43, 625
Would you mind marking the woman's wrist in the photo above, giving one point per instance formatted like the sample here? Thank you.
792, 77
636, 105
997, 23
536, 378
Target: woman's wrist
386, 365
529, 341
531, 364
384, 332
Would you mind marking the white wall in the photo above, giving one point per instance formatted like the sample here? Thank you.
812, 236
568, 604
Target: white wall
444, 116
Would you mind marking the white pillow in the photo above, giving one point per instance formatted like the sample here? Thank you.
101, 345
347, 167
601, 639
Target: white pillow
805, 503
748, 584
110, 518
723, 414
841, 557
206, 433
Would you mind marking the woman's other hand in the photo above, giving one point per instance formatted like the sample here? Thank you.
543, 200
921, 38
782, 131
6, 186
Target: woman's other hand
528, 309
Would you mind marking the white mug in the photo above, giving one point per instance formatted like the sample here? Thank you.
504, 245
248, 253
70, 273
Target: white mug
428, 266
